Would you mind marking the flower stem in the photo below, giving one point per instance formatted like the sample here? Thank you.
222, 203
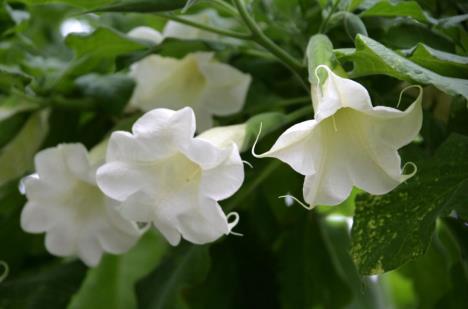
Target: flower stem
324, 24
237, 35
225, 7
264, 41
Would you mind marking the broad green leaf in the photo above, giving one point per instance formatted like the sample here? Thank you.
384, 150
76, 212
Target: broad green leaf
371, 58
439, 61
143, 6
395, 228
50, 287
16, 158
187, 266
319, 51
392, 9
97, 52
307, 275
111, 92
111, 283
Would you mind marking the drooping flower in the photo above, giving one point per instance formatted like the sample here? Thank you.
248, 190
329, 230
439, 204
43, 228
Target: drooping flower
65, 203
207, 86
164, 175
349, 143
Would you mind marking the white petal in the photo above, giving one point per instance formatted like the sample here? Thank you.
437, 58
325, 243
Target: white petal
89, 249
167, 82
146, 33
168, 231
51, 167
125, 146
338, 92
166, 125
204, 153
225, 136
119, 180
76, 158
204, 223
225, 179
298, 146
138, 207
226, 88
35, 218
153, 121
61, 239
328, 186
40, 191
395, 127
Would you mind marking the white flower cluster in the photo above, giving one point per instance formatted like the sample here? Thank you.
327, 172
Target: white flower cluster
162, 174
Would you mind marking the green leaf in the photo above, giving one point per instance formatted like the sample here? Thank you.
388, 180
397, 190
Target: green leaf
10, 79
188, 265
50, 287
111, 92
371, 58
395, 228
391, 9
319, 51
111, 283
97, 52
143, 6
16, 158
307, 276
439, 61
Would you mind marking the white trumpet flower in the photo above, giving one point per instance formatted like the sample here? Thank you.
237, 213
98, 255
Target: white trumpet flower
65, 203
349, 143
207, 86
165, 176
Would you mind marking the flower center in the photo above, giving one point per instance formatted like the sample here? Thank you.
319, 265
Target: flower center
85, 201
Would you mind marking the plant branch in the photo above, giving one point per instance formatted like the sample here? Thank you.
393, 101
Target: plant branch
264, 41
237, 35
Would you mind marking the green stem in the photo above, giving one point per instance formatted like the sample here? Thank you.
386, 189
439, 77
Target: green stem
297, 114
237, 35
263, 40
324, 24
226, 7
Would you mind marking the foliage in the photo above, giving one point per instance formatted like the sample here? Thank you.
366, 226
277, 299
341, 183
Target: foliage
58, 86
